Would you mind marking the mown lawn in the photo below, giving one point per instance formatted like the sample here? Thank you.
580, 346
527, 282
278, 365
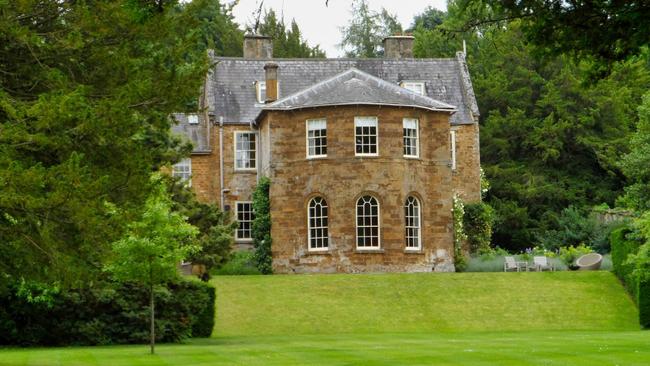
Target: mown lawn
512, 348
426, 302
561, 318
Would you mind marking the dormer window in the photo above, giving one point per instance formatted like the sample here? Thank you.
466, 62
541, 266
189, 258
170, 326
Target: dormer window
416, 87
260, 86
193, 119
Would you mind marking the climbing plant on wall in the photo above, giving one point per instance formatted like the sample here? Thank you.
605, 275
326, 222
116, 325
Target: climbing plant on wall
262, 226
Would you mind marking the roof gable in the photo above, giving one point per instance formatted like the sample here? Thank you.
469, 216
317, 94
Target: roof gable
352, 87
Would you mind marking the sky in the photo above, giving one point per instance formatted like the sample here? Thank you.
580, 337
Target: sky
320, 25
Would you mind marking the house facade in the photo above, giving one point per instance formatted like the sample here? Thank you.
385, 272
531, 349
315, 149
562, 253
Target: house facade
364, 155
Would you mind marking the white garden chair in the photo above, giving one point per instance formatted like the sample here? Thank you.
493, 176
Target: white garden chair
511, 264
542, 263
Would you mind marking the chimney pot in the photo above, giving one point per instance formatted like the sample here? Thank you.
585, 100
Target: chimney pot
271, 72
398, 47
257, 46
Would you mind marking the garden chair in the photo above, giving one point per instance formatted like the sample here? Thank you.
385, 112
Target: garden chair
511, 264
542, 263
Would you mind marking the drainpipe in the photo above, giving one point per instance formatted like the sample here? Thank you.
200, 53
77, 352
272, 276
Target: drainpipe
221, 187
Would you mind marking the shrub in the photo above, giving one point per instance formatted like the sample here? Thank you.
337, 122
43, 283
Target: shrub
107, 314
478, 220
241, 263
203, 322
574, 227
570, 254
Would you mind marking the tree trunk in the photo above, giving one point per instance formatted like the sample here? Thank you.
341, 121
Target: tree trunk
152, 331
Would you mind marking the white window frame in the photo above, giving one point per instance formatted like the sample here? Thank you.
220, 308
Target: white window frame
259, 85
417, 137
411, 85
418, 227
235, 135
452, 137
365, 120
185, 176
193, 119
308, 138
237, 237
325, 248
356, 220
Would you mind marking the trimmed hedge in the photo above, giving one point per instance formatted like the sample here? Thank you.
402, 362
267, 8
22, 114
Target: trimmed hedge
644, 303
110, 314
639, 290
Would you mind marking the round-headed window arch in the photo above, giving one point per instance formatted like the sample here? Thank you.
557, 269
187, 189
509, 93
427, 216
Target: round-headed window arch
368, 223
412, 223
317, 221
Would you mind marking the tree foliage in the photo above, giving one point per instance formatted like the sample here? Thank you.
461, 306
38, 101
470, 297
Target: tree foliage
363, 36
636, 164
150, 252
215, 238
606, 30
287, 41
86, 93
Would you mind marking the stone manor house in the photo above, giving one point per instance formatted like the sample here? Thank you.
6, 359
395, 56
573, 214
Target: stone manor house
364, 155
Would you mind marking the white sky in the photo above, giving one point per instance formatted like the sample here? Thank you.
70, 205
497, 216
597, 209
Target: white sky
321, 25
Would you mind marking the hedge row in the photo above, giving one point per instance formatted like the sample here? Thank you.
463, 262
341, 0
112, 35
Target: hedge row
640, 290
110, 314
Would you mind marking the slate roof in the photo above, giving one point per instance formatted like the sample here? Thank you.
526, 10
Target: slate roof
196, 133
353, 87
231, 83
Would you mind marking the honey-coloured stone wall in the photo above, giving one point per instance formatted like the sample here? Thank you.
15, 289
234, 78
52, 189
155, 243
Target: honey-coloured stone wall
341, 178
467, 175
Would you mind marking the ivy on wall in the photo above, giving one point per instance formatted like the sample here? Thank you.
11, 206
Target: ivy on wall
261, 230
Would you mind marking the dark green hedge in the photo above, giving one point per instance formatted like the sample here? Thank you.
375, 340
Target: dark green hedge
110, 314
644, 303
204, 321
622, 247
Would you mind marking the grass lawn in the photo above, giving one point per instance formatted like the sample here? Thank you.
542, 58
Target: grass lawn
513, 348
422, 302
561, 318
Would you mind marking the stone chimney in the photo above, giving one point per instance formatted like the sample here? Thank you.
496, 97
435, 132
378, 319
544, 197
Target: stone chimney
257, 47
271, 71
398, 47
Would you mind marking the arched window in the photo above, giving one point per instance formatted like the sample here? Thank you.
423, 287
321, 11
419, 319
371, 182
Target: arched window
367, 223
412, 223
317, 222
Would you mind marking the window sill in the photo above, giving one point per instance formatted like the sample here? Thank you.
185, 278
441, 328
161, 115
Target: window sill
319, 252
244, 241
411, 157
369, 251
317, 157
366, 156
245, 171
